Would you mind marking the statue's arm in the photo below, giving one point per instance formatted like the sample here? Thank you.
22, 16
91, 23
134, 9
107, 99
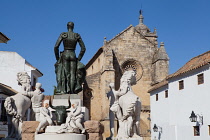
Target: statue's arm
77, 112
51, 115
43, 112
123, 88
29, 94
83, 49
56, 48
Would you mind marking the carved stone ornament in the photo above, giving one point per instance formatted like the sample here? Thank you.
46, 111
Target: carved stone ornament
134, 65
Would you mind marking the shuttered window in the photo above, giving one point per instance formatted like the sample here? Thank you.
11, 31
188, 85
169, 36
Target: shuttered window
156, 97
196, 130
166, 94
181, 85
200, 79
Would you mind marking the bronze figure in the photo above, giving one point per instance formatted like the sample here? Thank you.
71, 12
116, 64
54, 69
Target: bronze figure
70, 72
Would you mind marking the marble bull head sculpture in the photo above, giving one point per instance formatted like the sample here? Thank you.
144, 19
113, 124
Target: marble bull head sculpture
60, 111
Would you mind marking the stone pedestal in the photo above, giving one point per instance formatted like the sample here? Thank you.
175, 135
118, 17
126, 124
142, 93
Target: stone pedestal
94, 130
50, 134
64, 136
8, 139
140, 138
62, 100
28, 129
54, 129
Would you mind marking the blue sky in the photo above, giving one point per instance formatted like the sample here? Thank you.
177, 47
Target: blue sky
34, 26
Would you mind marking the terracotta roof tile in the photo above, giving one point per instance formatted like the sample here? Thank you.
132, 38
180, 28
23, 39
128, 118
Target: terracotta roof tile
160, 84
194, 63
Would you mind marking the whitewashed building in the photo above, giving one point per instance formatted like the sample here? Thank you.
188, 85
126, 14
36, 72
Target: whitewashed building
10, 64
174, 99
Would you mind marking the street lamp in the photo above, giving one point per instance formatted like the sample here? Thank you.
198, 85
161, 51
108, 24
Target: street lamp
159, 130
155, 128
194, 118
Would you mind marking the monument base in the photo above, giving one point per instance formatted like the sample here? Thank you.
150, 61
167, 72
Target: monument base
128, 138
63, 136
54, 129
8, 139
133, 138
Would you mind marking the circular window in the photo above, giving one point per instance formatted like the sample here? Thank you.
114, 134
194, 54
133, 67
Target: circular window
133, 65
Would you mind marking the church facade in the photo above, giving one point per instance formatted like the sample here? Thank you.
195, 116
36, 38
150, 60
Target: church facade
134, 48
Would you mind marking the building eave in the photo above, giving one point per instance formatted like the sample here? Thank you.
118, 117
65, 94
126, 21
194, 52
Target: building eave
40, 73
194, 63
158, 85
3, 38
7, 90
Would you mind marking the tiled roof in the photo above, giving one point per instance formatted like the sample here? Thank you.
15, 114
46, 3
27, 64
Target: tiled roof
160, 84
194, 63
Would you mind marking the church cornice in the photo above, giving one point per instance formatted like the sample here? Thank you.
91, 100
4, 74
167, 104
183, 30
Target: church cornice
119, 34
100, 50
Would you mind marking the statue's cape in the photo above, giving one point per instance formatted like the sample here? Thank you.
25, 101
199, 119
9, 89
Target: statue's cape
61, 76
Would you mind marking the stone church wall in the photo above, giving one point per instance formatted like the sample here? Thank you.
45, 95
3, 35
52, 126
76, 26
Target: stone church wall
128, 50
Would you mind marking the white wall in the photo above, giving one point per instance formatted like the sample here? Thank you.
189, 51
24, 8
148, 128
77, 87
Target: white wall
11, 64
173, 113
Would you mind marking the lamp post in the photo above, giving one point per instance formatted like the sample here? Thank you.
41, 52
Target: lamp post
194, 118
157, 128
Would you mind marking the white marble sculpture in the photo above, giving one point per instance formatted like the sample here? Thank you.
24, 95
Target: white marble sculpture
45, 117
111, 97
73, 121
36, 98
126, 107
16, 107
